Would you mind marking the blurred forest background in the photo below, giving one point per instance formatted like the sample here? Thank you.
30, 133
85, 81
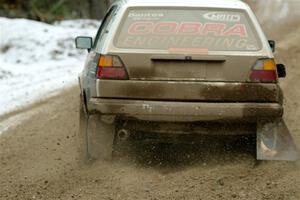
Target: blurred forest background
53, 10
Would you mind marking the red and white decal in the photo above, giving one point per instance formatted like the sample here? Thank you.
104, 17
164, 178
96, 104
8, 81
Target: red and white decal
237, 29
165, 28
216, 28
187, 28
140, 28
189, 50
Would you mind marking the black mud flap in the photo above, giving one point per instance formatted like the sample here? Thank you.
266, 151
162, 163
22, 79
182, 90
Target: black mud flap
274, 142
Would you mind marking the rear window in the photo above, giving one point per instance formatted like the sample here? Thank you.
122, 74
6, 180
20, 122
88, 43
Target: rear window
173, 29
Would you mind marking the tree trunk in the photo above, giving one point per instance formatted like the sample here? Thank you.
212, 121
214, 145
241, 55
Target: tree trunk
97, 8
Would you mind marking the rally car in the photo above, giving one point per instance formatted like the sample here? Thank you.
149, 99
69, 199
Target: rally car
172, 67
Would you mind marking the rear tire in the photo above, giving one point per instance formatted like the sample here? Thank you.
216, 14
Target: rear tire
100, 137
82, 136
95, 136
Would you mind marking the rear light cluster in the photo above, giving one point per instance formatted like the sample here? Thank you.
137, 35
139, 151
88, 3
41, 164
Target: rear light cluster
111, 67
264, 70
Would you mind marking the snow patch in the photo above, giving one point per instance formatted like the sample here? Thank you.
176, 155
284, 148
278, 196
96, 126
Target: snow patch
38, 59
15, 120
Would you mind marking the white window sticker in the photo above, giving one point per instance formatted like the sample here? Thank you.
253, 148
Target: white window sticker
222, 17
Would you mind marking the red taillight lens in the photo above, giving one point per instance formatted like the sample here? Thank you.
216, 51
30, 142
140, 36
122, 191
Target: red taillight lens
112, 73
111, 67
264, 76
264, 71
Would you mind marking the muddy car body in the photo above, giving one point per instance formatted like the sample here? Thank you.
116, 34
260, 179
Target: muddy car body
192, 67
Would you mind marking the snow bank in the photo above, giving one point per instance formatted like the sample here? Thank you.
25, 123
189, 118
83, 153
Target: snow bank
37, 59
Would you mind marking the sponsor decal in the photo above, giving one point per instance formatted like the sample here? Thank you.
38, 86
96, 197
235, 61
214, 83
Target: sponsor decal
141, 15
188, 50
222, 17
187, 28
197, 44
138, 16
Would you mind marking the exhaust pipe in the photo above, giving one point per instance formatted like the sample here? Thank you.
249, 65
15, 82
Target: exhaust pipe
123, 134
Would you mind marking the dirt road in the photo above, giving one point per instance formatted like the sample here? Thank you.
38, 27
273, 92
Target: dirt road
38, 158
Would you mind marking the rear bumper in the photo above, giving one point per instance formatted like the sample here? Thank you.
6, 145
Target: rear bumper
185, 111
189, 90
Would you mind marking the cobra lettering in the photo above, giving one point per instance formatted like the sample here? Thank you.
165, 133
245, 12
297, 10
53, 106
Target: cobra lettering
187, 28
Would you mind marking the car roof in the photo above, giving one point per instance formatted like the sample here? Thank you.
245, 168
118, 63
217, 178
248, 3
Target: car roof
189, 3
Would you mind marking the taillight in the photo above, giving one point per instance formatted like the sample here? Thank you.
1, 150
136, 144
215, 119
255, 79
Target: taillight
264, 70
111, 67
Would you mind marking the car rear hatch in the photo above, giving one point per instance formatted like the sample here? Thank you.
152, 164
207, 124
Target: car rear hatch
188, 55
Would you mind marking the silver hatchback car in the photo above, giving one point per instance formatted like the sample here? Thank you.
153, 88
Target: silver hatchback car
172, 67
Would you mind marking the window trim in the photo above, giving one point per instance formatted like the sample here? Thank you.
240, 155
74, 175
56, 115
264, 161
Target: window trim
103, 23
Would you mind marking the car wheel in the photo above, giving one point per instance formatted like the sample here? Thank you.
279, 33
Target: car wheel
96, 136
82, 136
100, 137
